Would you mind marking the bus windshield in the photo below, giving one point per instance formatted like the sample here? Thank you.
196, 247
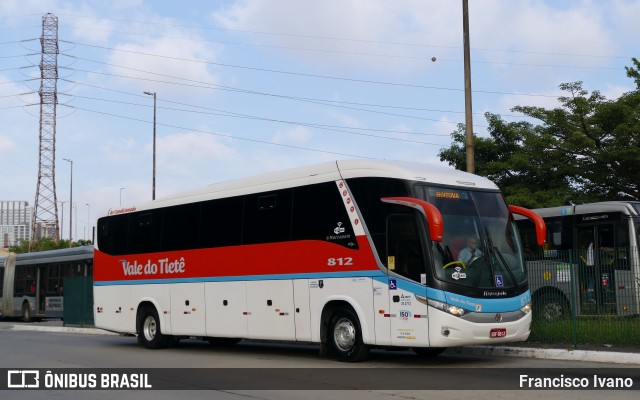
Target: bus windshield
481, 246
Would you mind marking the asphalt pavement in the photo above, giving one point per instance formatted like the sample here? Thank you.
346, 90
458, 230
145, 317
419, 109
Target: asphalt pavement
605, 355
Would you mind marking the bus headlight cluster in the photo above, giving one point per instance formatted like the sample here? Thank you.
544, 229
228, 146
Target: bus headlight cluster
453, 310
526, 309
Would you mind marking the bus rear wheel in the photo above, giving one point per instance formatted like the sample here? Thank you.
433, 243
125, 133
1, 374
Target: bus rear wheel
149, 332
552, 307
345, 336
26, 312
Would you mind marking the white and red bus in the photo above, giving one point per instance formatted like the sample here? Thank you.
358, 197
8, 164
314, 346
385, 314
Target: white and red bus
350, 254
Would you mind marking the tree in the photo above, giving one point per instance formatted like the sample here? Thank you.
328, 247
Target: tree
586, 150
45, 244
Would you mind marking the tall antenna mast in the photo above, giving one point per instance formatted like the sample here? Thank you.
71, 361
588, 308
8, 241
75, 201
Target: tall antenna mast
44, 222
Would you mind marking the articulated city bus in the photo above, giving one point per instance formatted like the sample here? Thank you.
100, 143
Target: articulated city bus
350, 254
590, 260
31, 284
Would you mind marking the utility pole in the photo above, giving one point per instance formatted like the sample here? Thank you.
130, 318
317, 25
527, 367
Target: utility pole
153, 184
70, 202
468, 121
44, 221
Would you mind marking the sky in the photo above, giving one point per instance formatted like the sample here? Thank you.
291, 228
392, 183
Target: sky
245, 87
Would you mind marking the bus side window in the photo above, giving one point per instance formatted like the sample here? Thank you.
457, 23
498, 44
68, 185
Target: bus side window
221, 222
145, 232
267, 217
319, 214
112, 234
178, 232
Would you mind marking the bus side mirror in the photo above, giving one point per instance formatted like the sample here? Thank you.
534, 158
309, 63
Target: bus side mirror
541, 228
430, 212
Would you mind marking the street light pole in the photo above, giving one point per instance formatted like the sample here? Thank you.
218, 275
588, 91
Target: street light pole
471, 166
62, 219
121, 189
88, 220
70, 203
153, 190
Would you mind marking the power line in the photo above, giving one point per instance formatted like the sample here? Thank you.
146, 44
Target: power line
357, 40
333, 128
220, 134
309, 101
342, 53
303, 74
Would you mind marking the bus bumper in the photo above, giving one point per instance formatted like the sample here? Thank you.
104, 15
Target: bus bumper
447, 330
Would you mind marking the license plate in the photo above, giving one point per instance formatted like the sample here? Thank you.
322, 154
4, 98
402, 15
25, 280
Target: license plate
497, 333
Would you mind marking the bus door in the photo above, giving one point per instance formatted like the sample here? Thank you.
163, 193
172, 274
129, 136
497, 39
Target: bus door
596, 270
406, 265
41, 289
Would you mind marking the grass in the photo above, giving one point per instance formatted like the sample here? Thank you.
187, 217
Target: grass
596, 330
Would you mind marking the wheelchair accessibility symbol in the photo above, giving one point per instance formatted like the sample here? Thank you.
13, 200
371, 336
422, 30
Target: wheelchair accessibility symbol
499, 281
392, 284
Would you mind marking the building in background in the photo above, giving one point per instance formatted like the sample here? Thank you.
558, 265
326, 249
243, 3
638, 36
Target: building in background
15, 222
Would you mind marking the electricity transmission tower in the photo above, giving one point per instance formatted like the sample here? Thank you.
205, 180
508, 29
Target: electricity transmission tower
44, 222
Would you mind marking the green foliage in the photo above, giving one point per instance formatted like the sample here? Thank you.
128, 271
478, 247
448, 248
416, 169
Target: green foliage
45, 244
586, 150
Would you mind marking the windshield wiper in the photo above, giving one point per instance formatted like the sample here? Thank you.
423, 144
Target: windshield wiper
495, 250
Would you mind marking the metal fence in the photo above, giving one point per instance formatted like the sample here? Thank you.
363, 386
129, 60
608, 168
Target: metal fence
585, 297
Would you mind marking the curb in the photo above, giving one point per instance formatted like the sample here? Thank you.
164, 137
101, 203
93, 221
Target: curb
502, 351
552, 354
63, 329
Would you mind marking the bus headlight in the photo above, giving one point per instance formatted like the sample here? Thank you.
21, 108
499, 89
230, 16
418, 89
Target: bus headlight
526, 309
453, 310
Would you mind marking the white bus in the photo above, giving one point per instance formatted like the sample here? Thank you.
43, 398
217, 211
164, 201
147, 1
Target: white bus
32, 284
349, 254
590, 260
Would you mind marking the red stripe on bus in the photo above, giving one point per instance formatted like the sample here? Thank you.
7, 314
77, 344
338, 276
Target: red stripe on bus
307, 256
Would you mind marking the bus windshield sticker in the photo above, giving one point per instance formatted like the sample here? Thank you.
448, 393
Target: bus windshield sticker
499, 281
458, 275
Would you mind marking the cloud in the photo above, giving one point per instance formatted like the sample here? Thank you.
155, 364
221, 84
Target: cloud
371, 24
6, 145
185, 154
295, 135
175, 54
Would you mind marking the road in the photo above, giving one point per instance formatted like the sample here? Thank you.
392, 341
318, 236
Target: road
47, 350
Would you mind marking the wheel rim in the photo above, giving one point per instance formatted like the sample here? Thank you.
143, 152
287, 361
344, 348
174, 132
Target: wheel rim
26, 313
149, 328
344, 334
552, 311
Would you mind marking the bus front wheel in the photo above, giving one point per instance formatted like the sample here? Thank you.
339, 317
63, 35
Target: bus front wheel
345, 336
149, 333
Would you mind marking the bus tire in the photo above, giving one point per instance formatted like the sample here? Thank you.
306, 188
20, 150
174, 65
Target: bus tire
345, 336
551, 307
428, 352
26, 312
150, 333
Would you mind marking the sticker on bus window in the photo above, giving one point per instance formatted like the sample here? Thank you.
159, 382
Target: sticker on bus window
499, 281
391, 262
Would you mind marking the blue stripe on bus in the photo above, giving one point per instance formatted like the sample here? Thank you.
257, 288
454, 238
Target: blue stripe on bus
468, 303
499, 304
319, 275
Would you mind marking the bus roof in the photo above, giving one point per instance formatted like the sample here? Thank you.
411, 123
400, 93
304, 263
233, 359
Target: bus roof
324, 172
626, 207
51, 256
